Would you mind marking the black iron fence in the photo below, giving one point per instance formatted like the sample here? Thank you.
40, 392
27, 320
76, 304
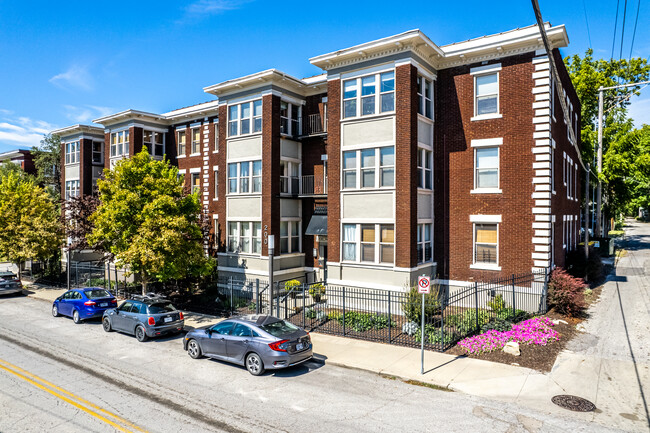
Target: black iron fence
395, 317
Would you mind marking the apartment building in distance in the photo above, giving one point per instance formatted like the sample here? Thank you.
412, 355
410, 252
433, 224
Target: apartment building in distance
403, 158
21, 157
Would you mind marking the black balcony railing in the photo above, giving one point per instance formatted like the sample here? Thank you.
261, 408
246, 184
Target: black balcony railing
314, 125
313, 185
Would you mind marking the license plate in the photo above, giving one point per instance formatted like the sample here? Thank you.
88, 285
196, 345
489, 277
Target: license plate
168, 319
299, 346
103, 304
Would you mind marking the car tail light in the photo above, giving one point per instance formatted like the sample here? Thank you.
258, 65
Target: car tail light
181, 315
89, 303
114, 301
152, 321
279, 346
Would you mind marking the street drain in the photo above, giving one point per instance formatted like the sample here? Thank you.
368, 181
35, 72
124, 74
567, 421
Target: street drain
574, 403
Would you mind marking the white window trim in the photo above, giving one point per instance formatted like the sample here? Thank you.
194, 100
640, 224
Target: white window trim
192, 129
377, 168
480, 71
484, 266
239, 178
291, 221
76, 153
377, 95
290, 119
125, 144
377, 244
496, 190
422, 95
420, 228
426, 153
485, 219
238, 236
153, 142
252, 118
487, 142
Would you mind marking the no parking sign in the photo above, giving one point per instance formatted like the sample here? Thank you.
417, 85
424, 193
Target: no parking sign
424, 285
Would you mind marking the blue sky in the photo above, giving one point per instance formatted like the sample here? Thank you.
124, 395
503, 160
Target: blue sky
70, 62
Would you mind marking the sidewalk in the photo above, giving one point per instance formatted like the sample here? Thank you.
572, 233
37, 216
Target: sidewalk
572, 374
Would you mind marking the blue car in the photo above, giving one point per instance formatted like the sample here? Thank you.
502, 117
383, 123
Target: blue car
82, 304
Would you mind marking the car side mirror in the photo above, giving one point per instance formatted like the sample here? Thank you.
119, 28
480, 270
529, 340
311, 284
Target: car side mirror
209, 332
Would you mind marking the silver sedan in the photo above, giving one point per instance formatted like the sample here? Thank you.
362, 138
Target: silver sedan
257, 342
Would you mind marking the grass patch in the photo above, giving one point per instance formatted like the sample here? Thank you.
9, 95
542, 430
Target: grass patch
428, 385
616, 233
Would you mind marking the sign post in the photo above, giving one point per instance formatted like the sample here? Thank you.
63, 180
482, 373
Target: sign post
424, 287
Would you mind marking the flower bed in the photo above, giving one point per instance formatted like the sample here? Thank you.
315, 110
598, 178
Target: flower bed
537, 331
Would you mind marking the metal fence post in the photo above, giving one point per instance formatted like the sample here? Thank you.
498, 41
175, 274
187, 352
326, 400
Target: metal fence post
476, 306
303, 305
442, 320
230, 284
277, 308
344, 311
76, 274
513, 297
257, 296
389, 319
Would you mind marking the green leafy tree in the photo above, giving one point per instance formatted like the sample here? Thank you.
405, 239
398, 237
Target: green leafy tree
47, 159
10, 167
31, 224
148, 223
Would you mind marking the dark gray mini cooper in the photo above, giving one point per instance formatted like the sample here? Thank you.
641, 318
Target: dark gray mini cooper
255, 341
144, 317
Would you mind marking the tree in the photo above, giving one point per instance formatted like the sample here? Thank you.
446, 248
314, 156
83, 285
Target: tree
47, 159
31, 227
78, 223
148, 223
10, 167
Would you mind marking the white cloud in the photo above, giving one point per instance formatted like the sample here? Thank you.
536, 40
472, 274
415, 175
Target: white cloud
202, 8
21, 132
76, 77
639, 109
86, 113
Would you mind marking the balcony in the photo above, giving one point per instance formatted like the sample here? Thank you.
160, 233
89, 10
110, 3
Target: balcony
303, 186
314, 125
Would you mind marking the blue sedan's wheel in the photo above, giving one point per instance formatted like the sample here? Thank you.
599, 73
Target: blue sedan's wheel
254, 364
55, 311
75, 317
106, 324
193, 349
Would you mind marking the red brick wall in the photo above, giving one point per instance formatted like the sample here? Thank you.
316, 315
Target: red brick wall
406, 134
454, 175
333, 170
270, 171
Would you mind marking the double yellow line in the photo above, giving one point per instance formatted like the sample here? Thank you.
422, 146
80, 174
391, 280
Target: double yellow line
92, 409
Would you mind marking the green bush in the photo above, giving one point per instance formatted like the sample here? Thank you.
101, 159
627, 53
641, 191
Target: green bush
496, 324
433, 335
514, 317
361, 322
497, 303
465, 323
412, 304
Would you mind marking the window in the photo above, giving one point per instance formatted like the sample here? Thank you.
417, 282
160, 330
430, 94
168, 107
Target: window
376, 243
425, 172
425, 97
72, 152
377, 95
245, 237
181, 140
120, 143
485, 243
196, 140
289, 237
154, 142
376, 168
486, 94
290, 118
71, 189
240, 177
425, 243
487, 168
244, 117
553, 98
98, 152
216, 137
289, 177
216, 184
196, 182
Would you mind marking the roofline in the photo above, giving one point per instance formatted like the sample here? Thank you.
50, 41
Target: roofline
205, 107
252, 81
78, 128
9, 153
128, 113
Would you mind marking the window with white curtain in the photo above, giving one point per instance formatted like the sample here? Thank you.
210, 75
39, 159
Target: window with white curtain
350, 242
245, 237
369, 243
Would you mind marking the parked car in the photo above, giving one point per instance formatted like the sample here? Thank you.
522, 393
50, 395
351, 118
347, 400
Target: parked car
255, 341
9, 283
84, 303
144, 317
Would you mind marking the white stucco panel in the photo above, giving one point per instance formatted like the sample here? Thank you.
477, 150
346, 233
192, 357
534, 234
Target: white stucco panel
246, 148
244, 208
425, 206
289, 208
368, 206
289, 148
371, 132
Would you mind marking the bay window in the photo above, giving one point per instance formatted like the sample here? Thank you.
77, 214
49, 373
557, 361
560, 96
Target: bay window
289, 237
425, 243
245, 237
120, 143
71, 189
425, 171
485, 243
377, 95
245, 118
486, 94
376, 168
245, 177
290, 118
154, 142
486, 168
374, 242
72, 152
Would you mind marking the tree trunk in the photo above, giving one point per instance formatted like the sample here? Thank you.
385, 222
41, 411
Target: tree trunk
145, 283
19, 276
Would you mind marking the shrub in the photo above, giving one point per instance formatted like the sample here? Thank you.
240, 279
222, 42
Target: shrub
361, 322
412, 304
566, 293
433, 335
465, 323
317, 291
497, 303
496, 324
311, 313
514, 317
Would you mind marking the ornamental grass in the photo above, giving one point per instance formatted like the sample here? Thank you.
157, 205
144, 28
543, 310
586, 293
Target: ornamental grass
537, 331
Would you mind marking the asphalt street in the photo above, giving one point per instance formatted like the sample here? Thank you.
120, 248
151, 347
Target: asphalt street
55, 375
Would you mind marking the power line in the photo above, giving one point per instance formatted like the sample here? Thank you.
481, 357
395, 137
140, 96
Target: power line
635, 23
615, 27
620, 54
587, 21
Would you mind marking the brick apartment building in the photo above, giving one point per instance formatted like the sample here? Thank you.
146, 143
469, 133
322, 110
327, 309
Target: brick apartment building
403, 158
21, 157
